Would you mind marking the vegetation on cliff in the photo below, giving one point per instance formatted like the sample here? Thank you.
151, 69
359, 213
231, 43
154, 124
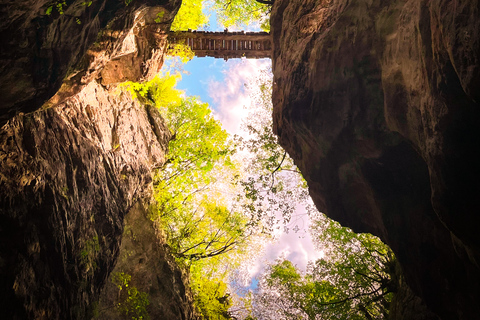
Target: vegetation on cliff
200, 225
216, 210
131, 302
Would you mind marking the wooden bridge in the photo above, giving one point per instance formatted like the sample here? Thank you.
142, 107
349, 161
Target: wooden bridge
226, 45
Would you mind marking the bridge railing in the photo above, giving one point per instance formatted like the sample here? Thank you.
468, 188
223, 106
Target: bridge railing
226, 45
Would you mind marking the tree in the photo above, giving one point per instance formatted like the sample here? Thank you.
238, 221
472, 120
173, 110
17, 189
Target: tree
231, 13
207, 231
243, 12
274, 188
189, 16
211, 294
199, 154
353, 280
204, 230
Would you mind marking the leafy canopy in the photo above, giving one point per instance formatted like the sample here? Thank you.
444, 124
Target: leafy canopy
189, 16
232, 13
201, 225
242, 13
355, 280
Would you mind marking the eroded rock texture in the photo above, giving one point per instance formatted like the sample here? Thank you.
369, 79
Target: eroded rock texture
101, 39
69, 175
145, 257
378, 103
71, 170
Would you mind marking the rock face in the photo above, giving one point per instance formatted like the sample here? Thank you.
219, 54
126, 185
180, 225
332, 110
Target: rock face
145, 257
90, 40
69, 175
378, 104
73, 168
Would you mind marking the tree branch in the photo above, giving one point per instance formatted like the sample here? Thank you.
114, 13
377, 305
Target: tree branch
268, 2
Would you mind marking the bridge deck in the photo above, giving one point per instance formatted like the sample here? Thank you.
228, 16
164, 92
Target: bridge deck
226, 45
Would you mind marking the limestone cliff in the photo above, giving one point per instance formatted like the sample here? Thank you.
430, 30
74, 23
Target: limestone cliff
105, 40
76, 153
69, 175
377, 101
145, 257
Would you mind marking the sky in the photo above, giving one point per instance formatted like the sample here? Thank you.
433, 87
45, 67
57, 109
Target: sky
221, 84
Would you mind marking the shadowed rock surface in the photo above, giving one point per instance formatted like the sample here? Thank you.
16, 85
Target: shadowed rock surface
104, 40
71, 170
69, 174
146, 258
378, 106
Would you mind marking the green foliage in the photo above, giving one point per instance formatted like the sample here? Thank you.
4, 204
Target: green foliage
131, 302
89, 253
353, 281
189, 16
242, 12
198, 227
59, 6
231, 13
159, 91
121, 279
189, 122
182, 51
211, 298
159, 17
208, 231
201, 226
284, 272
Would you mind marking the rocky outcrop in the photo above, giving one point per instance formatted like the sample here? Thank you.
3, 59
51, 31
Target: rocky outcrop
76, 153
105, 40
405, 304
68, 177
145, 257
379, 107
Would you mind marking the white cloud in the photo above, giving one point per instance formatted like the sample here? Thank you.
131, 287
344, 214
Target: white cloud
229, 94
294, 246
231, 100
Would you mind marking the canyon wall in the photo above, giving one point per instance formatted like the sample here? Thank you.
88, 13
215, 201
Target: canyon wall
377, 101
76, 152
69, 174
105, 40
145, 257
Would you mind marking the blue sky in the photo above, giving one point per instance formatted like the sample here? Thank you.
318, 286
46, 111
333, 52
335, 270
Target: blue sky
222, 85
201, 72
